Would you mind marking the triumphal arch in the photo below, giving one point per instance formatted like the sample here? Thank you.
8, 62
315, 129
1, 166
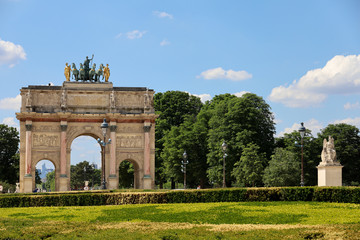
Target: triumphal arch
51, 117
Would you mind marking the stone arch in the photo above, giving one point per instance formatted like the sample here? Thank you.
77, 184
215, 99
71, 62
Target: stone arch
137, 171
51, 117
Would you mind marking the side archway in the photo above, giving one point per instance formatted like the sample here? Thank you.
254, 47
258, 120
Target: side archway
125, 171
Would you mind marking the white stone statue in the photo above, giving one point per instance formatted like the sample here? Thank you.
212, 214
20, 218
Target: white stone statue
328, 154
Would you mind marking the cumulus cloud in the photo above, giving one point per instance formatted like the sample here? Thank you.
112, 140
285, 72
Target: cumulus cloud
314, 125
10, 53
10, 121
163, 14
164, 42
240, 94
11, 103
135, 34
349, 106
340, 75
350, 121
220, 73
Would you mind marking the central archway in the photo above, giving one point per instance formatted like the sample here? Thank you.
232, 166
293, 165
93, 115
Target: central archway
85, 163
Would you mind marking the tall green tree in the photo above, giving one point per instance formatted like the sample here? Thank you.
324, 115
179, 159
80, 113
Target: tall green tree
187, 137
283, 169
347, 146
9, 159
249, 170
239, 121
172, 107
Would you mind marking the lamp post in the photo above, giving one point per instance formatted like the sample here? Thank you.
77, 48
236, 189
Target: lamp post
224, 148
302, 130
184, 162
104, 126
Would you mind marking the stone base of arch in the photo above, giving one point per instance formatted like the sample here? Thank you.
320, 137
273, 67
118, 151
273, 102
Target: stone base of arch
28, 184
64, 184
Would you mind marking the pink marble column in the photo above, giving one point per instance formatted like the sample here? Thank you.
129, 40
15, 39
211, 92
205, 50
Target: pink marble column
28, 145
63, 126
113, 150
147, 128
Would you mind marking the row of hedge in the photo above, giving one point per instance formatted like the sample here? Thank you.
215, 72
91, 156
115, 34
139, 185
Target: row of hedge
320, 194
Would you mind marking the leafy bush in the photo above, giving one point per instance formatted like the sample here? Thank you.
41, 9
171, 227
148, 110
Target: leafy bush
320, 194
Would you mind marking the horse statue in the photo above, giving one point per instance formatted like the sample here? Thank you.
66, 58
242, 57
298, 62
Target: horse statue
92, 73
99, 73
75, 72
82, 73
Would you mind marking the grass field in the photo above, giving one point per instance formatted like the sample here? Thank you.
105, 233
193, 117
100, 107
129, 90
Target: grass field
244, 220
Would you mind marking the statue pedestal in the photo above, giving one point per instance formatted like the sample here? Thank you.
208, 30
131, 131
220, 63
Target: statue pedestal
64, 184
28, 187
113, 182
329, 175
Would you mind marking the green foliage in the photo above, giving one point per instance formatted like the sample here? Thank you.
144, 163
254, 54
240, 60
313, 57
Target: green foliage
9, 158
249, 170
173, 107
50, 181
283, 169
126, 175
37, 177
347, 142
311, 153
239, 121
81, 172
329, 194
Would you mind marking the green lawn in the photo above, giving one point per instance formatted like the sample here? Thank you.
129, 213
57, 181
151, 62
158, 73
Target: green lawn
244, 220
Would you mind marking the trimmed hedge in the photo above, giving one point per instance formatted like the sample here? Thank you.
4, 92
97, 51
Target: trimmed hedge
320, 194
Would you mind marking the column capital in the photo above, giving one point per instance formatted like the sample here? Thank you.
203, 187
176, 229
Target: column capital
113, 128
28, 127
63, 128
147, 128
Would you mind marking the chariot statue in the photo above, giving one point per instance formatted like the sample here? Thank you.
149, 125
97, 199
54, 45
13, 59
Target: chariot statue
85, 73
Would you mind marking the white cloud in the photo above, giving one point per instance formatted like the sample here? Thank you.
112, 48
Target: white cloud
350, 121
163, 14
164, 42
314, 125
349, 106
135, 34
11, 53
11, 103
240, 94
10, 121
204, 97
220, 73
340, 75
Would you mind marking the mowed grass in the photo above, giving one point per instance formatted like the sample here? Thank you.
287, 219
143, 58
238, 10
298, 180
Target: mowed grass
244, 220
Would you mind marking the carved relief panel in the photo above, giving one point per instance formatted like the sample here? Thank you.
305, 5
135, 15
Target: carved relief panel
129, 141
46, 140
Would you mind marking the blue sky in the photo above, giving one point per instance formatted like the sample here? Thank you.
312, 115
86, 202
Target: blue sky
302, 57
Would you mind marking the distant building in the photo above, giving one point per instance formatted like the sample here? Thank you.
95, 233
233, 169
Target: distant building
44, 171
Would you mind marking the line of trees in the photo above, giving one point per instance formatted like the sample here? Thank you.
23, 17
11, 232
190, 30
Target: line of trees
254, 156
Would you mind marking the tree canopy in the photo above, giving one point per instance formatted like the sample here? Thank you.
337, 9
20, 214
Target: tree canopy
9, 157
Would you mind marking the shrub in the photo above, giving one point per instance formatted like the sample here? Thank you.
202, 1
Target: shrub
320, 194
